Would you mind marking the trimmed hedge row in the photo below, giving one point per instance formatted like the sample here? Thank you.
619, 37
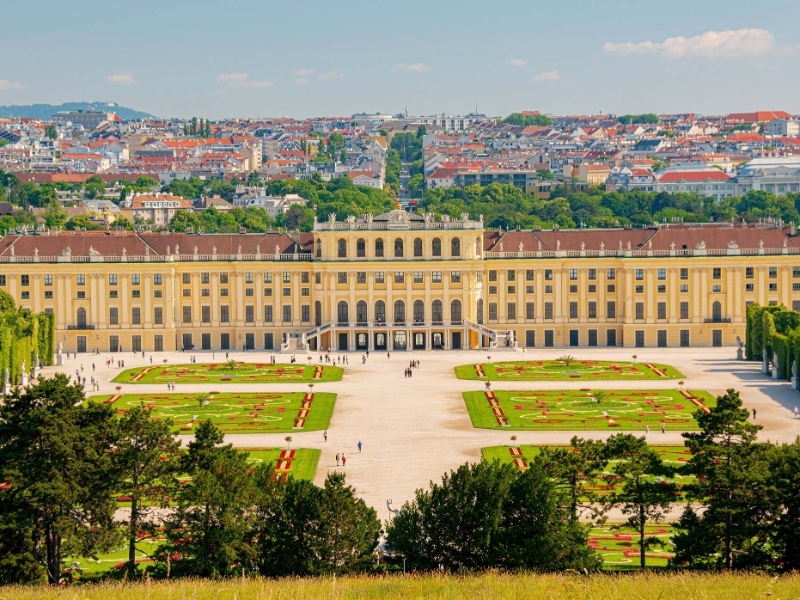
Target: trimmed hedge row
23, 337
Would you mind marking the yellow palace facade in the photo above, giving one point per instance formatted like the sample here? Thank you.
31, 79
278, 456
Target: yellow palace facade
402, 282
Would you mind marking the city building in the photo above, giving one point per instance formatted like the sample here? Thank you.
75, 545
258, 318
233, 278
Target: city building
783, 127
400, 281
775, 175
157, 209
88, 119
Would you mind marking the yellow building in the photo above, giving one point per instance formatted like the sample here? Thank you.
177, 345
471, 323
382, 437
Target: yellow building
403, 282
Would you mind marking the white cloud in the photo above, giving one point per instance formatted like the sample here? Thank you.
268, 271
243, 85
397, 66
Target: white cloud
301, 81
548, 76
241, 80
517, 62
122, 78
303, 72
334, 74
5, 84
416, 67
740, 43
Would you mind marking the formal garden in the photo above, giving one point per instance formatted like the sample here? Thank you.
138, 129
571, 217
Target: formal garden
566, 368
587, 409
230, 372
604, 483
618, 546
233, 412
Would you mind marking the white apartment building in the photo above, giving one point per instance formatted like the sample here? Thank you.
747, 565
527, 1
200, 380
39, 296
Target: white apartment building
775, 175
783, 128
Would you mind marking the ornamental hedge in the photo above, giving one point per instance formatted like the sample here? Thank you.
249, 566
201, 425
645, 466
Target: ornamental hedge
23, 336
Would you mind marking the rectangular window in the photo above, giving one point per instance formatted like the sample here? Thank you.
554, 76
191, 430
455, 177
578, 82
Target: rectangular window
611, 309
611, 274
592, 274
81, 279
684, 288
287, 291
548, 310
573, 274
640, 310
205, 293
287, 277
662, 274
187, 314
492, 289
492, 275
662, 310
548, 289
158, 279
158, 315
223, 278
684, 338
639, 335
136, 315
48, 280
530, 338
716, 273
639, 289
305, 312
187, 278
26, 295
773, 272
48, 295
530, 310
379, 278
592, 310
749, 273
187, 292
268, 314
716, 289
81, 295
399, 277
512, 289
269, 341
573, 310
248, 278
361, 277
684, 274
224, 314
750, 287
287, 313
455, 276
436, 277
684, 310
528, 289
112, 279
639, 274
773, 287
268, 292
611, 337
305, 291
593, 337
318, 278
573, 289
205, 314
492, 311
611, 288
529, 275
548, 274
205, 278
341, 278
305, 277
662, 289
2, 279
249, 314
661, 340
267, 277
418, 277
249, 292
512, 310
113, 294
113, 316
512, 276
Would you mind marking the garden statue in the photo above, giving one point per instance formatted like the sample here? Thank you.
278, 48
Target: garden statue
764, 363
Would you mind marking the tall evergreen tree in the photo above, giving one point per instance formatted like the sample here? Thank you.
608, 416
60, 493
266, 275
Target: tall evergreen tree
56, 455
147, 458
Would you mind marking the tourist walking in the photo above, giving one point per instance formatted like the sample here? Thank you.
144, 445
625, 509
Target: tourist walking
754, 414
325, 435
359, 447
337, 459
663, 427
344, 459
795, 412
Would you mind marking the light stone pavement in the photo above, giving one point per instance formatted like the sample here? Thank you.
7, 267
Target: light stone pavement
414, 430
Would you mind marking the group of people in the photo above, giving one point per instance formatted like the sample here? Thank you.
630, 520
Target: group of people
414, 364
341, 359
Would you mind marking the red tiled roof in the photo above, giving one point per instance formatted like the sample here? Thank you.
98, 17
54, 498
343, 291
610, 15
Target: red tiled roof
710, 175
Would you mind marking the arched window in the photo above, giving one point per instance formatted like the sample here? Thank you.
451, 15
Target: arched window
480, 312
361, 248
417, 247
455, 312
436, 312
319, 248
455, 247
379, 248
342, 248
361, 312
398, 248
477, 247
716, 312
419, 311
437, 247
343, 318
317, 313
81, 317
399, 312
380, 311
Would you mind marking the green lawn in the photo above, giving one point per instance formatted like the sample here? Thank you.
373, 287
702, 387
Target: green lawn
619, 546
558, 370
628, 410
222, 373
245, 412
521, 454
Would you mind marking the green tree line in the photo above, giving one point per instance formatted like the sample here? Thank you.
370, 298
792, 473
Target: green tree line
23, 336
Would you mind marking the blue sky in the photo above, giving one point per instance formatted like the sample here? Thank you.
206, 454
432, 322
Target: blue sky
306, 58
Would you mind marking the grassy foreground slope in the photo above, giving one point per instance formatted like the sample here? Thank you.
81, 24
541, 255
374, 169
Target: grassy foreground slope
684, 586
